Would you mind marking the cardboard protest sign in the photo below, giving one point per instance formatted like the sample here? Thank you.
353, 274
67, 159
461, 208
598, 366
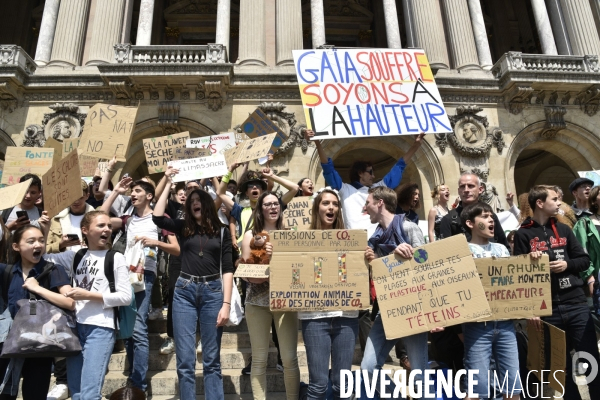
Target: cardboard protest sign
319, 270
69, 145
159, 150
298, 213
250, 150
184, 153
108, 130
199, 168
516, 287
369, 92
258, 124
88, 166
591, 175
252, 271
12, 195
217, 144
547, 352
438, 287
52, 143
62, 184
25, 160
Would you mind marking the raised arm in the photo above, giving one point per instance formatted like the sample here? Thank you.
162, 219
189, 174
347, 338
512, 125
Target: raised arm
308, 134
332, 178
222, 188
164, 183
289, 185
107, 176
415, 146
161, 204
120, 189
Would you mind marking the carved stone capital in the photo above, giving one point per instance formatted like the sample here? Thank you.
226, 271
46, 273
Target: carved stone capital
555, 121
168, 117
589, 100
123, 90
518, 98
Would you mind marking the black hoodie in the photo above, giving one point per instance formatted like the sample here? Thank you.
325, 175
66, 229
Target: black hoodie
558, 241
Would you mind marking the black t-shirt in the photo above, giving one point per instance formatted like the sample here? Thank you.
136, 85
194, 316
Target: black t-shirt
174, 209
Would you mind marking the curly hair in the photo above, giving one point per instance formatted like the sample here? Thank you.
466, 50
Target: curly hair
406, 193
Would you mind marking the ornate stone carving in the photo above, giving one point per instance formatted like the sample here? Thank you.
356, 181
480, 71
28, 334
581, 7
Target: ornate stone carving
122, 89
589, 100
65, 122
122, 51
168, 117
8, 96
216, 53
498, 139
185, 95
518, 98
490, 196
592, 62
215, 95
555, 121
34, 136
139, 95
169, 95
153, 95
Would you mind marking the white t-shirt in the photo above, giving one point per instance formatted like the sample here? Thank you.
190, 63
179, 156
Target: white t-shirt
75, 229
89, 275
139, 227
33, 214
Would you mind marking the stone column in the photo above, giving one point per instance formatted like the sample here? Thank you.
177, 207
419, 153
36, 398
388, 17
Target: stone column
223, 22
317, 23
542, 21
429, 32
69, 36
289, 30
480, 34
253, 49
561, 36
126, 31
47, 29
144, 32
392, 29
460, 35
409, 23
106, 31
581, 27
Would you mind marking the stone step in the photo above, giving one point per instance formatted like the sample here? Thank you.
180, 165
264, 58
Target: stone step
229, 340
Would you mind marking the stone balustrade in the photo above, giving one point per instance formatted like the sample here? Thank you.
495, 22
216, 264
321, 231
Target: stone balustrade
14, 56
201, 54
516, 62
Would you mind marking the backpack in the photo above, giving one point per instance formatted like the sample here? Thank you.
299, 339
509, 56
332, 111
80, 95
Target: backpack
455, 223
125, 315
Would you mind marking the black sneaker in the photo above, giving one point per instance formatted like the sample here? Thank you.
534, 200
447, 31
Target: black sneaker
248, 368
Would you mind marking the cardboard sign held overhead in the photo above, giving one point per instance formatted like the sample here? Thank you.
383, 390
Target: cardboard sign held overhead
69, 145
250, 150
199, 168
159, 150
547, 351
25, 160
62, 184
252, 271
52, 143
10, 196
217, 144
108, 130
258, 124
516, 287
319, 270
438, 287
354, 93
185, 153
297, 215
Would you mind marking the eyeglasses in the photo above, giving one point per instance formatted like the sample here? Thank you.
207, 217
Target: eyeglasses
254, 185
370, 171
274, 204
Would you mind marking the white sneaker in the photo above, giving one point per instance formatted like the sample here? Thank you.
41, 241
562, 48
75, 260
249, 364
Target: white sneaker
168, 346
155, 313
199, 348
58, 392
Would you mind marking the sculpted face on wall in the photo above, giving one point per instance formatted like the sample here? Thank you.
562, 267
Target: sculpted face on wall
62, 130
64, 123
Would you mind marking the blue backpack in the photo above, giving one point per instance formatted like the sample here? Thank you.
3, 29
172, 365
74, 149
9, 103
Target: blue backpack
125, 315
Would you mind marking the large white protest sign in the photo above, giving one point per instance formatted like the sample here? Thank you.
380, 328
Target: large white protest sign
369, 92
217, 144
199, 168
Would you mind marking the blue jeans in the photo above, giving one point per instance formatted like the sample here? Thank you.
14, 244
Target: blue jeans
85, 371
497, 338
324, 337
193, 302
378, 348
138, 346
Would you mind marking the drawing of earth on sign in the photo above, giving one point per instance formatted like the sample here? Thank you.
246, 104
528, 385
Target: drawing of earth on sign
420, 255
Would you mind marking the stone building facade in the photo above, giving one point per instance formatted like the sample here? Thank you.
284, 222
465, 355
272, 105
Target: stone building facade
520, 78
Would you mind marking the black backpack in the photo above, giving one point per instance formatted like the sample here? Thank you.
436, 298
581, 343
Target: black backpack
456, 225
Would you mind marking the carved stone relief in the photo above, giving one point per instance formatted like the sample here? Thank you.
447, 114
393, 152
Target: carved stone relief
555, 121
64, 123
168, 117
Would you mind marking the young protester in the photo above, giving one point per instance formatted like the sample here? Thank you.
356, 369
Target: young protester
327, 334
408, 201
305, 187
497, 338
511, 241
580, 188
393, 234
570, 311
97, 197
202, 292
28, 204
29, 245
441, 193
267, 216
586, 231
95, 304
139, 227
362, 177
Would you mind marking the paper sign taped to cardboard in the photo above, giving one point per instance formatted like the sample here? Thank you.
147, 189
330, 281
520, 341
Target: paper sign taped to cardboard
438, 287
10, 196
159, 150
297, 215
319, 270
88, 166
52, 143
185, 153
516, 287
199, 168
107, 131
249, 150
217, 144
62, 184
258, 124
252, 271
25, 160
547, 353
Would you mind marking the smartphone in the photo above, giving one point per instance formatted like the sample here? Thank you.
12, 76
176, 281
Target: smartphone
126, 175
22, 214
72, 236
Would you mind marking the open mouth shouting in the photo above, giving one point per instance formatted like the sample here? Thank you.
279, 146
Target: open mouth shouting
37, 254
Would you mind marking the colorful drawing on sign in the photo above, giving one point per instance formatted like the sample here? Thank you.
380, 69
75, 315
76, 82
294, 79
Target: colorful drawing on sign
258, 124
369, 92
591, 175
217, 144
25, 160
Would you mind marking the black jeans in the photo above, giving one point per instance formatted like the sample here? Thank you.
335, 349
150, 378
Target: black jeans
60, 371
576, 321
36, 375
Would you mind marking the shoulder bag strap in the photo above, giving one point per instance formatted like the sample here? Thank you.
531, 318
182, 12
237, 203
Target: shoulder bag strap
221, 258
